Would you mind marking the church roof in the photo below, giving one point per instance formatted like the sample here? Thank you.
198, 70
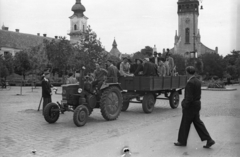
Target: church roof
19, 40
114, 51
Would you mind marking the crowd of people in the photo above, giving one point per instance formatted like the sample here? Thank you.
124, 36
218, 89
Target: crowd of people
154, 66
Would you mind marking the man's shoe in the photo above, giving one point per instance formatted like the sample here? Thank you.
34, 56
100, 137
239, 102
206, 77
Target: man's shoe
209, 143
179, 144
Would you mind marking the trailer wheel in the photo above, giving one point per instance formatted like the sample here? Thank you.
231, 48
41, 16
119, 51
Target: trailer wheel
80, 115
125, 106
51, 112
174, 99
148, 103
111, 103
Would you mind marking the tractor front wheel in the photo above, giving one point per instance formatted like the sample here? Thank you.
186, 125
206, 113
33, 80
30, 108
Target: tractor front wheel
51, 112
80, 115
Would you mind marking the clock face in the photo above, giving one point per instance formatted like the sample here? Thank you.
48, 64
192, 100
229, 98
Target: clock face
187, 20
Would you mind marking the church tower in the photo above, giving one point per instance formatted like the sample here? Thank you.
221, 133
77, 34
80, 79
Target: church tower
188, 39
78, 22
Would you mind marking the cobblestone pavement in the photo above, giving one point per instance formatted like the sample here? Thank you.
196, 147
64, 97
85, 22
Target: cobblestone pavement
23, 128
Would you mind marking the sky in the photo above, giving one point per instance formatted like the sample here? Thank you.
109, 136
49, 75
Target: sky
133, 23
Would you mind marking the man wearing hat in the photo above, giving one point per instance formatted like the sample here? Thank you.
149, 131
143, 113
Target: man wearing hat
46, 89
112, 71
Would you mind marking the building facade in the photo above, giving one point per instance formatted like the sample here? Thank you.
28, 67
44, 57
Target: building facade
187, 39
13, 42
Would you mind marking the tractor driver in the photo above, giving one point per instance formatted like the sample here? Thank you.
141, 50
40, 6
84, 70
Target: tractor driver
100, 75
112, 72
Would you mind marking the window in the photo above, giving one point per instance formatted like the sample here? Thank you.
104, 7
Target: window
187, 35
75, 27
83, 28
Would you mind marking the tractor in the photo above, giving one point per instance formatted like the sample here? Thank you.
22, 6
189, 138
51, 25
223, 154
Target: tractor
82, 98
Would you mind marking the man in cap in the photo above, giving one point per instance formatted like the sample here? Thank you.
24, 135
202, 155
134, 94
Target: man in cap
155, 59
191, 105
139, 69
99, 76
112, 71
46, 89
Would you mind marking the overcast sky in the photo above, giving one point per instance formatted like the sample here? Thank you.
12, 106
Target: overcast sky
134, 23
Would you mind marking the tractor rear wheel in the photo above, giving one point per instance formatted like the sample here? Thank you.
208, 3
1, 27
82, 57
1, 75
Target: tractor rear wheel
111, 103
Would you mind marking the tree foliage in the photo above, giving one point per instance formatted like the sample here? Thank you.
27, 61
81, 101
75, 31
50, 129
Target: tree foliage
232, 64
38, 59
58, 53
179, 61
21, 63
88, 51
213, 65
6, 65
147, 51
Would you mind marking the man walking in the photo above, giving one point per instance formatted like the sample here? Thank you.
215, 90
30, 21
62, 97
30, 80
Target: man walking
46, 90
191, 105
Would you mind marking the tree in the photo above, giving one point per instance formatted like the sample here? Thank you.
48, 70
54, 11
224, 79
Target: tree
147, 51
38, 59
179, 62
213, 64
88, 51
3, 68
58, 53
21, 63
231, 61
8, 61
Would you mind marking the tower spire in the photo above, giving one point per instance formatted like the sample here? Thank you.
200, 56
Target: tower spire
114, 43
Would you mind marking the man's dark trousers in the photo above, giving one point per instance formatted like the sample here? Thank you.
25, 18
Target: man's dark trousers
191, 115
46, 100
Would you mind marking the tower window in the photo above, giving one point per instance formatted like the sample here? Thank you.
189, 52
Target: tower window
187, 35
75, 27
83, 28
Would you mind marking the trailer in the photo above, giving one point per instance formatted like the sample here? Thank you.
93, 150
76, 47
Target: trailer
147, 89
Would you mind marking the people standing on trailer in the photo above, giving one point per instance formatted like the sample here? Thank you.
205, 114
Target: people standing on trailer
161, 68
170, 63
155, 59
